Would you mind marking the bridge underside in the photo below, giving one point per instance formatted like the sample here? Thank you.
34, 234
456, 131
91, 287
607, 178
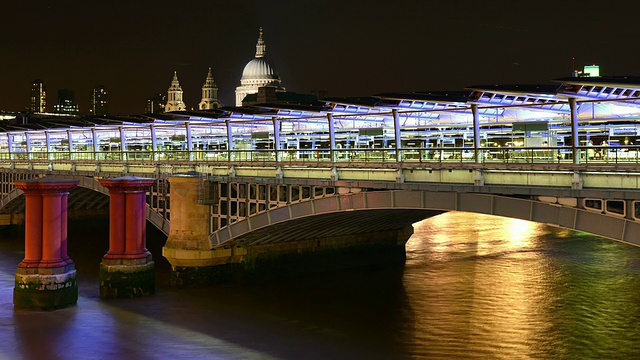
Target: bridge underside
367, 225
326, 233
567, 212
334, 225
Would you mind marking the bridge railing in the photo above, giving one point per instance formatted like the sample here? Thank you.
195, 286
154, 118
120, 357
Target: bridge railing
542, 155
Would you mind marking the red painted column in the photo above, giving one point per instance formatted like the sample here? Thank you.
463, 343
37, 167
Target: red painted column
44, 228
135, 234
117, 221
33, 229
51, 230
46, 278
127, 270
128, 217
64, 234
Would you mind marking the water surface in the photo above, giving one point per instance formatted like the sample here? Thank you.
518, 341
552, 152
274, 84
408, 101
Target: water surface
473, 287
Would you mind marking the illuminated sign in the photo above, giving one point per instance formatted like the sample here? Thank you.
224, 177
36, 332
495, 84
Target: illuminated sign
622, 131
260, 135
527, 126
370, 131
591, 70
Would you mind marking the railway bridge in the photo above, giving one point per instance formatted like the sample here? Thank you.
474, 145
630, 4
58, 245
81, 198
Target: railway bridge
274, 189
239, 218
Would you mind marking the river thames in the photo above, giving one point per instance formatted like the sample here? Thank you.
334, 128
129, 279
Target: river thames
473, 287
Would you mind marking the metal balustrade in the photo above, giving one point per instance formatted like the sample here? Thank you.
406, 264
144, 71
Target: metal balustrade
531, 155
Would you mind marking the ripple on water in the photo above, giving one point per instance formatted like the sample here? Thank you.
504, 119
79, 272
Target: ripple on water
473, 286
490, 287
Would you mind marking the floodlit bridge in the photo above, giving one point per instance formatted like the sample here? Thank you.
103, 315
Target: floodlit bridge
241, 189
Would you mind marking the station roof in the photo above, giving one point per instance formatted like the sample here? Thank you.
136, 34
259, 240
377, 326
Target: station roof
368, 101
612, 97
517, 89
620, 90
611, 81
433, 96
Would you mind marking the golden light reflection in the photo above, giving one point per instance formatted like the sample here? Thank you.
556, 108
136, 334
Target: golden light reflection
489, 274
455, 231
519, 233
440, 241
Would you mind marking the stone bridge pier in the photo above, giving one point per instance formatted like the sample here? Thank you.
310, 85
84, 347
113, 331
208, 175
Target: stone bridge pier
188, 249
276, 245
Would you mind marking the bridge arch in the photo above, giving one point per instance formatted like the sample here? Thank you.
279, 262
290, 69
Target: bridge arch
91, 183
397, 208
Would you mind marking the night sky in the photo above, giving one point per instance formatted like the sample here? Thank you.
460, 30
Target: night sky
344, 47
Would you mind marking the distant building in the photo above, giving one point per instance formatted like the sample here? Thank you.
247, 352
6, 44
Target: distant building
66, 103
209, 94
257, 73
38, 97
98, 101
174, 96
269, 95
588, 71
320, 94
156, 104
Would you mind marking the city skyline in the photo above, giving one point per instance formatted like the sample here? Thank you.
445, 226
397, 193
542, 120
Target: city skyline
353, 48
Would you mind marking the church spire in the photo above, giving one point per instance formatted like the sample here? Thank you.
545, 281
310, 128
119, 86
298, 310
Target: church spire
175, 82
260, 46
209, 75
174, 99
209, 94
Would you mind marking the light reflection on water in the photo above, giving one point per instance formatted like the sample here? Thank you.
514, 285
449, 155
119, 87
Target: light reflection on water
477, 284
473, 286
503, 288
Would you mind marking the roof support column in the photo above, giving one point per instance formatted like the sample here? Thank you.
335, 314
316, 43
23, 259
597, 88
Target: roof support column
70, 142
10, 145
27, 140
47, 142
276, 137
396, 134
476, 133
123, 143
332, 138
189, 140
575, 142
154, 143
94, 140
229, 140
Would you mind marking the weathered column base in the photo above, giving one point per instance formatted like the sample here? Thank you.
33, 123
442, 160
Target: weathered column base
288, 260
45, 288
127, 278
287, 266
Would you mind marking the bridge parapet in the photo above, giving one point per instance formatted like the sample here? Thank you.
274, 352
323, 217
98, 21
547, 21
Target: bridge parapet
570, 176
235, 199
